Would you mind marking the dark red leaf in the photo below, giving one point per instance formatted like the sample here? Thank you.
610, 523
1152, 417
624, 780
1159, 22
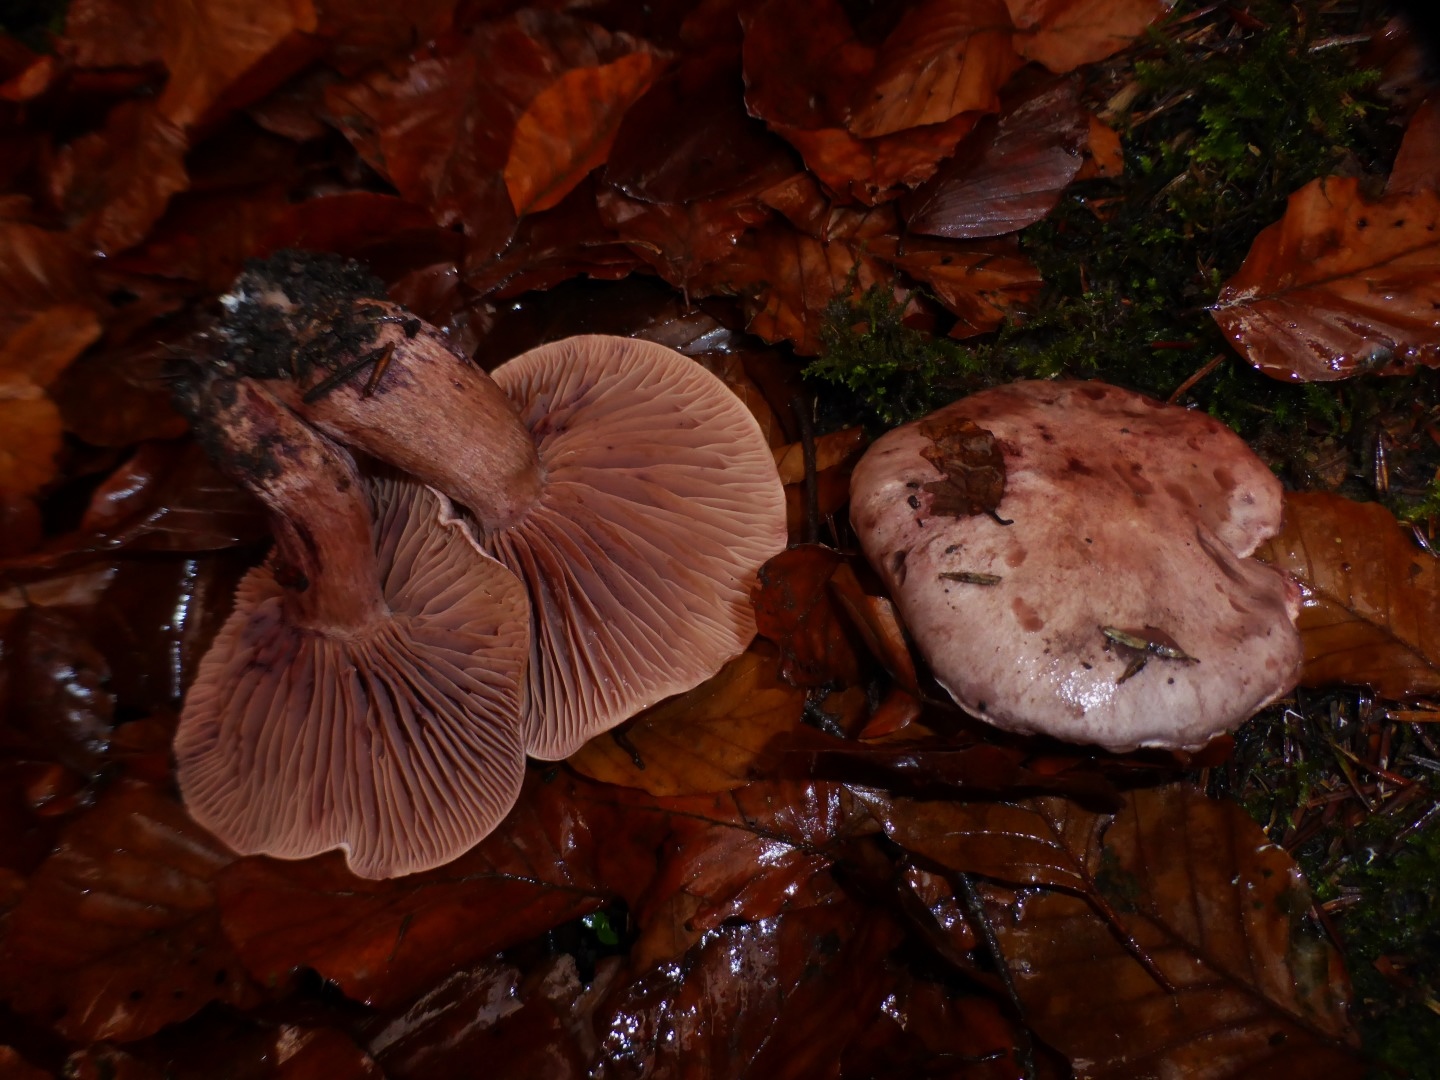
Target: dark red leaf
116, 934
795, 609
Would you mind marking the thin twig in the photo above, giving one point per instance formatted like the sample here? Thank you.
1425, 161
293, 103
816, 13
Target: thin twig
1185, 387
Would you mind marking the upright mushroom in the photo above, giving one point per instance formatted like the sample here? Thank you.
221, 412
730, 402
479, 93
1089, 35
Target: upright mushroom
365, 693
628, 488
1071, 559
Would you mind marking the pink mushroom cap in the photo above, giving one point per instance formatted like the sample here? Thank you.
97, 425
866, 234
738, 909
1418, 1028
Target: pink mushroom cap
1109, 599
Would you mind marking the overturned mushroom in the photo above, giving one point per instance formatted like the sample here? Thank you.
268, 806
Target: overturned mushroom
628, 488
365, 694
1096, 589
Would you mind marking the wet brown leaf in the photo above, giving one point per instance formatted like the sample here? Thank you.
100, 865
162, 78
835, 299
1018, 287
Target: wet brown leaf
707, 740
568, 129
1417, 165
1339, 286
1010, 172
1064, 34
29, 437
971, 466
776, 999
48, 343
111, 34
979, 283
1199, 890
786, 279
228, 53
1370, 613
112, 185
39, 269
942, 59
795, 609
116, 934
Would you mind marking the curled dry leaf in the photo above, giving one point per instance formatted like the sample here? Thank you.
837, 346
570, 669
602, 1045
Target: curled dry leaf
978, 283
1064, 34
1010, 172
567, 130
707, 740
1194, 889
117, 934
1339, 286
1370, 609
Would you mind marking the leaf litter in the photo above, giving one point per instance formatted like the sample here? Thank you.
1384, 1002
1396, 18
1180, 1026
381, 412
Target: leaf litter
813, 864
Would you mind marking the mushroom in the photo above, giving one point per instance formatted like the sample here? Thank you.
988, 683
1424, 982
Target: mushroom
628, 488
1071, 559
365, 693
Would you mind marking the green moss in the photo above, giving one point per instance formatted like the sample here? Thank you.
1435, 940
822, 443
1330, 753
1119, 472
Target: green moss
1219, 137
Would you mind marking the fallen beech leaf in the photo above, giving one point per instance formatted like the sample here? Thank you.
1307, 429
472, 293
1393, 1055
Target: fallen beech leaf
391, 236
778, 999
46, 345
802, 73
568, 129
1198, 889
1064, 34
14, 1067
703, 741
1370, 613
29, 437
878, 623
870, 171
1417, 164
925, 1019
1010, 172
39, 269
116, 934
979, 283
942, 59
795, 610
228, 49
1339, 286
680, 239
1104, 156
383, 942
363, 31
54, 691
111, 34
112, 185
786, 280
831, 450
689, 137
206, 238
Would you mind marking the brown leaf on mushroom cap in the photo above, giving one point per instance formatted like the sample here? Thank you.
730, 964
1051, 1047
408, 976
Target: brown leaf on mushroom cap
1121, 512
972, 469
1339, 286
1370, 598
657, 510
400, 745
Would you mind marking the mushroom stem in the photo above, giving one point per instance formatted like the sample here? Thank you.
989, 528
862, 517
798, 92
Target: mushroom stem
324, 553
370, 374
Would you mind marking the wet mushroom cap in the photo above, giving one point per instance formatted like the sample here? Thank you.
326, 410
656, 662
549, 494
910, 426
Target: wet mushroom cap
1118, 606
660, 504
368, 699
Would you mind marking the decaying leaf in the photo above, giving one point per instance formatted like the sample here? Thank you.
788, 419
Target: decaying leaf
978, 282
971, 465
795, 609
1339, 286
1194, 893
703, 741
1417, 164
567, 130
117, 933
1370, 609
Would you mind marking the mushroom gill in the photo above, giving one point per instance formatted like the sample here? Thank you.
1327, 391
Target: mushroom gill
365, 693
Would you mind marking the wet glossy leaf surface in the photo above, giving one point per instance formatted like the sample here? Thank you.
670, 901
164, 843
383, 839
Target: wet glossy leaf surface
1340, 286
1370, 609
1255, 991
